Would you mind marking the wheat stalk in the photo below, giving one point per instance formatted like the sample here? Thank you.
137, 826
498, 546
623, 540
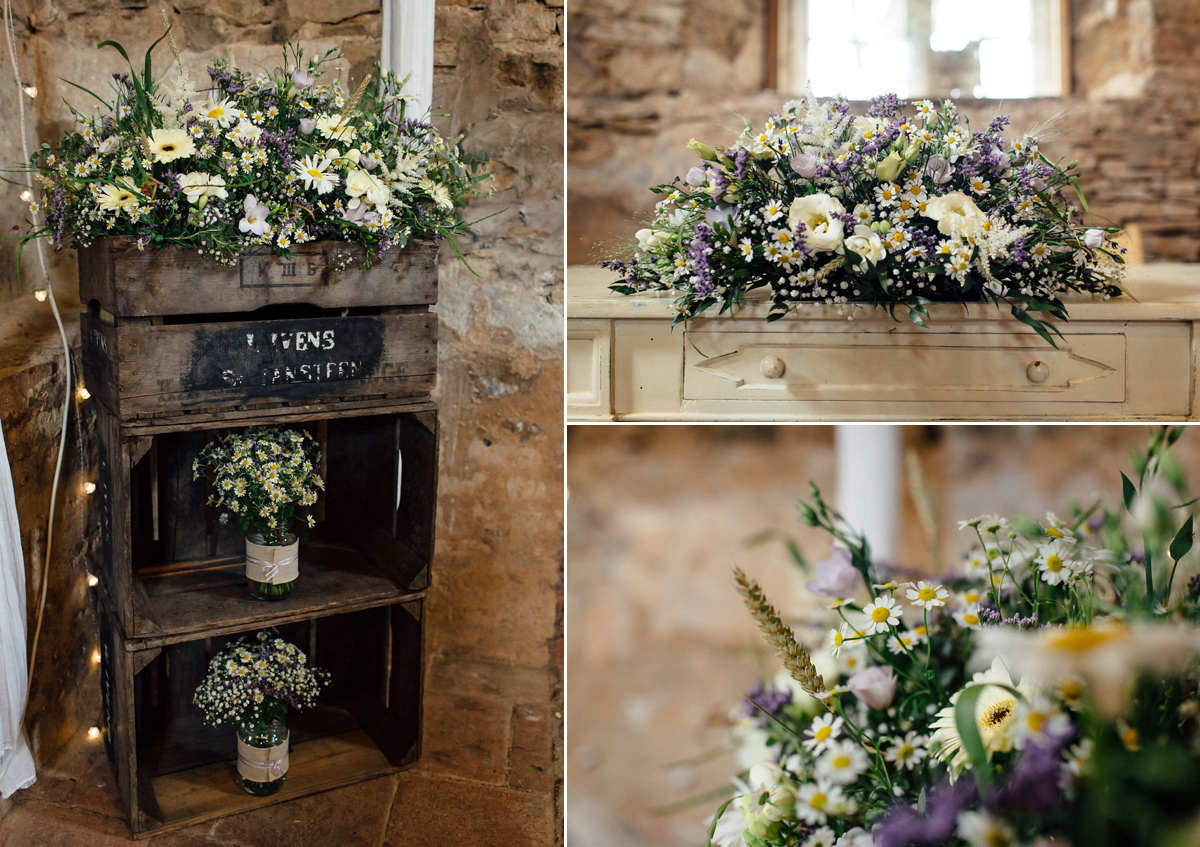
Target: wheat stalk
780, 636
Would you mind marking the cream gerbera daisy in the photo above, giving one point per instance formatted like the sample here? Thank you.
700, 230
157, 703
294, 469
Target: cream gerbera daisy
336, 128
996, 718
113, 198
167, 145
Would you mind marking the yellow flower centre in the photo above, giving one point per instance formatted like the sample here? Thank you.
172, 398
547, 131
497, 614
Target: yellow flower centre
1130, 737
905, 752
784, 238
880, 614
971, 620
1083, 640
823, 734
841, 761
216, 113
997, 713
1054, 532
926, 594
315, 174
920, 630
1072, 689
818, 801
838, 638
972, 596
124, 197
1035, 721
1054, 564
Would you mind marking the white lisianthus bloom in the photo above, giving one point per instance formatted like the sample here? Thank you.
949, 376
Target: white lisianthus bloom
359, 183
650, 240
890, 167
113, 198
956, 214
199, 187
995, 717
867, 244
245, 133
823, 231
167, 145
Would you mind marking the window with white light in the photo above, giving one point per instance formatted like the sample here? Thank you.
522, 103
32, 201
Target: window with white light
922, 48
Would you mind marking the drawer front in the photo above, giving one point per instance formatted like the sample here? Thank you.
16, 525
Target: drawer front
903, 366
142, 370
589, 346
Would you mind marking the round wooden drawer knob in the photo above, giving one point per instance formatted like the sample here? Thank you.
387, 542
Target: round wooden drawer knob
772, 367
1037, 372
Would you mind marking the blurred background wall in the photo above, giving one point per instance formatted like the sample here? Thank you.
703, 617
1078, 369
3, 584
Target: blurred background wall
660, 647
647, 75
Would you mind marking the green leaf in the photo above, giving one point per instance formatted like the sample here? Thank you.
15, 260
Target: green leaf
712, 830
1183, 541
1128, 492
1038, 326
964, 720
915, 317
88, 91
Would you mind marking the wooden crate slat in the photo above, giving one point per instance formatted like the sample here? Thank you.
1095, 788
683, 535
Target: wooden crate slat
144, 370
275, 415
127, 282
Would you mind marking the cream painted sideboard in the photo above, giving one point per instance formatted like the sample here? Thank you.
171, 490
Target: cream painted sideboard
1131, 358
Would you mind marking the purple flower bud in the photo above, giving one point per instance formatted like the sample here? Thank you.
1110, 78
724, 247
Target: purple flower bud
307, 125
1094, 238
302, 79
939, 169
695, 177
836, 577
805, 164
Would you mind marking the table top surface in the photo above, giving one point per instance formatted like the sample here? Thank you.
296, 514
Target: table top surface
1166, 291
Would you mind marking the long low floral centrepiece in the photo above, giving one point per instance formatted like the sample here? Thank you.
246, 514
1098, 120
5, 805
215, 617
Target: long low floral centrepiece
897, 208
1045, 693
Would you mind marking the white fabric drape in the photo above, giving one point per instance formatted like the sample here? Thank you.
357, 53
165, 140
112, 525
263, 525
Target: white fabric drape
408, 49
16, 760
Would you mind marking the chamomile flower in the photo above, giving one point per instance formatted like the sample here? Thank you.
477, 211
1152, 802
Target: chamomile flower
316, 173
927, 595
887, 193
880, 615
772, 211
822, 732
222, 113
907, 752
842, 762
1055, 561
816, 801
747, 248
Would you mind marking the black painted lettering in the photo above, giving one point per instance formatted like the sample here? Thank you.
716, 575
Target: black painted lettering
312, 269
289, 269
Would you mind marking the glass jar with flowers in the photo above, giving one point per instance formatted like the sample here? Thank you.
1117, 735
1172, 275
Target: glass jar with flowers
260, 476
252, 683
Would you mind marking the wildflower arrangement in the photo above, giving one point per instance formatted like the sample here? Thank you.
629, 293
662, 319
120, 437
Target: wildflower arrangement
1048, 692
260, 476
890, 209
252, 682
252, 159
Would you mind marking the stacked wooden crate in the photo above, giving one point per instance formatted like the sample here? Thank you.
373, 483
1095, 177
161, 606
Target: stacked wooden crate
178, 349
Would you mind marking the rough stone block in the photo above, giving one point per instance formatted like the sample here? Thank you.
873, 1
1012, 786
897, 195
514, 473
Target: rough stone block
432, 812
465, 737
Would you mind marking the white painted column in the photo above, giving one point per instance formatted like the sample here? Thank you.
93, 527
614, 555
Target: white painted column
869, 469
408, 49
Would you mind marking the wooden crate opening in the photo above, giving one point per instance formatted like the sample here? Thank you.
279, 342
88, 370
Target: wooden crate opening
367, 721
371, 544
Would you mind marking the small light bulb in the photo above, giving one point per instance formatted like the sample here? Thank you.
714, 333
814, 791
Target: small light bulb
31, 90
89, 488
41, 295
93, 732
83, 393
92, 579
26, 195
95, 657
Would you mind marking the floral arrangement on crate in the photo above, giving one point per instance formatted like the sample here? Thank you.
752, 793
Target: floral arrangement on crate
254, 158
250, 683
260, 476
1045, 694
888, 209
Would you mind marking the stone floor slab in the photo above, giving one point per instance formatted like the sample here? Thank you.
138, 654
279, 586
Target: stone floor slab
514, 683
434, 812
36, 823
530, 763
465, 737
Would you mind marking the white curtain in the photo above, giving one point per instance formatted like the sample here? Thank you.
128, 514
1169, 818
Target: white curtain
408, 49
16, 761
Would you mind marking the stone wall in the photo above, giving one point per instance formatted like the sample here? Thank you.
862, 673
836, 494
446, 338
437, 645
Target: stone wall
643, 83
497, 586
660, 645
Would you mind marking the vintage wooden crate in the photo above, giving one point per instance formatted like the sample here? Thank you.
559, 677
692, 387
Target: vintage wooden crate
130, 283
173, 771
169, 332
171, 570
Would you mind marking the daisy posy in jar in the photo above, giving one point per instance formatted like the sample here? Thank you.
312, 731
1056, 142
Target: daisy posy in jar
252, 157
1044, 692
897, 208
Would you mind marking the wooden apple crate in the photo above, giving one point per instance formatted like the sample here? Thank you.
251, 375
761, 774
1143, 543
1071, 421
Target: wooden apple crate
178, 349
173, 771
170, 332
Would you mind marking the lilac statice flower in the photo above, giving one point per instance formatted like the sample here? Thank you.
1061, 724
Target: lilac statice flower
902, 826
763, 699
1034, 785
836, 576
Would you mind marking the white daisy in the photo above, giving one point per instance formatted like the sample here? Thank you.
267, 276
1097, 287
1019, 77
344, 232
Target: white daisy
927, 595
842, 762
907, 752
880, 615
822, 732
1054, 561
223, 113
316, 173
